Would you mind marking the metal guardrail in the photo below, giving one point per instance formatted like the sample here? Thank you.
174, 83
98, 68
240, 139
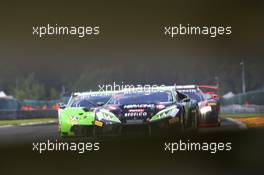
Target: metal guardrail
18, 114
253, 97
242, 109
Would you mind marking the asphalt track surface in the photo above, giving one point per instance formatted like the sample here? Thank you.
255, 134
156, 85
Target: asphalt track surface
138, 155
31, 133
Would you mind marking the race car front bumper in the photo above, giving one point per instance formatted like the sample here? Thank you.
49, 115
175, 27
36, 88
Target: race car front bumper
136, 125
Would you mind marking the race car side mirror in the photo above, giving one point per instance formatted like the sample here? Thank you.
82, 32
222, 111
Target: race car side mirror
100, 103
186, 100
62, 105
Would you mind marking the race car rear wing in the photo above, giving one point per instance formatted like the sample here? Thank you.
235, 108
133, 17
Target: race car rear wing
208, 87
186, 87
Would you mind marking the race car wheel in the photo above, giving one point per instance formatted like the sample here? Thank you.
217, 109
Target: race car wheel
94, 131
117, 130
64, 135
149, 130
182, 121
195, 120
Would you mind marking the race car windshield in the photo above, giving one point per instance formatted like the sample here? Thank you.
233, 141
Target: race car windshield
89, 102
141, 98
195, 95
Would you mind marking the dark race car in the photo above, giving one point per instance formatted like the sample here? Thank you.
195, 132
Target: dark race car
208, 107
160, 109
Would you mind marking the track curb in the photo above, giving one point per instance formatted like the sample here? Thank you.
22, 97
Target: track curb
240, 124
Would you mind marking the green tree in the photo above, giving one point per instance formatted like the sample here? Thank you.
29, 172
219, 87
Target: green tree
54, 94
28, 88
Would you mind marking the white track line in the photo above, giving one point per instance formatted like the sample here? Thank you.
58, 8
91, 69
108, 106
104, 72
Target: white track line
6, 126
29, 124
37, 123
240, 124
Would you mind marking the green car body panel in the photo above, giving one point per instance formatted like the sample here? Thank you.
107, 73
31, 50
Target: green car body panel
71, 116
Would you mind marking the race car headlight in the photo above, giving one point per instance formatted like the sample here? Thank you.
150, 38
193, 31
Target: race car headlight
167, 112
105, 115
205, 109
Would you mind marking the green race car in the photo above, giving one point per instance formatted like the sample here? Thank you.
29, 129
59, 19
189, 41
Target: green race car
77, 117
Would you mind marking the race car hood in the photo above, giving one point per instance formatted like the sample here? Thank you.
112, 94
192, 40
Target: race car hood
134, 112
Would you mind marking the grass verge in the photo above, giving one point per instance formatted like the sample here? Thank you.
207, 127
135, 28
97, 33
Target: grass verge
231, 115
253, 120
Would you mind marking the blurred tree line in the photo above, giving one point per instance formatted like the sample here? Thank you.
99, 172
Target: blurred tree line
32, 86
29, 87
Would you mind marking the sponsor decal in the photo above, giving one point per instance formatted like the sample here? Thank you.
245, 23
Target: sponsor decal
160, 106
187, 90
139, 106
135, 114
98, 123
74, 122
136, 110
212, 104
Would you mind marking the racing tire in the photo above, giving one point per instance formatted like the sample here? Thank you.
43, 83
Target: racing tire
182, 122
195, 121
